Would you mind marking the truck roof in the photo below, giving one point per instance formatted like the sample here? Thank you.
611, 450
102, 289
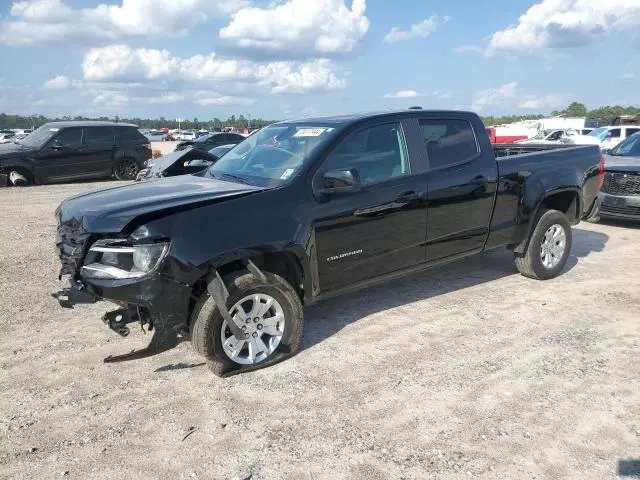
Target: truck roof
89, 123
357, 117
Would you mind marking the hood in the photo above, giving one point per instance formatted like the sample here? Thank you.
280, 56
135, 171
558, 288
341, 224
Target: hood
614, 163
161, 164
13, 150
111, 210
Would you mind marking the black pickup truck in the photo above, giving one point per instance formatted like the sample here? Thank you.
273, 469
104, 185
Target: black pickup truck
308, 209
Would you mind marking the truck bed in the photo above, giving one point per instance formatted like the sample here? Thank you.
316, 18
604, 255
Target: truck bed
510, 149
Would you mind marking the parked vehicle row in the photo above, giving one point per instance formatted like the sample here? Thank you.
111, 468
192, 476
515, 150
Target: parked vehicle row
308, 209
211, 140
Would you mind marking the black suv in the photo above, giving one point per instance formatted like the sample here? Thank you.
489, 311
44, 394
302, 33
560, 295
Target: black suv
61, 151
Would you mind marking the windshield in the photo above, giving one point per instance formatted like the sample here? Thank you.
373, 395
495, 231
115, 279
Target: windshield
39, 137
628, 147
272, 156
599, 133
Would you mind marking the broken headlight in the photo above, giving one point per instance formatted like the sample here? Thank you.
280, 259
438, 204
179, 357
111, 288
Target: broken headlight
111, 261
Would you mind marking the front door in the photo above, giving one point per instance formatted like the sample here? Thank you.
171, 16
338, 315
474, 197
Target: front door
380, 228
62, 158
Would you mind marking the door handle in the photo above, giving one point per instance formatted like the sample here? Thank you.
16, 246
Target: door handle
400, 201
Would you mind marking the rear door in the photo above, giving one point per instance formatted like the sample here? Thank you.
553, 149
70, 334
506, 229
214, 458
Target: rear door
62, 158
99, 146
380, 228
462, 184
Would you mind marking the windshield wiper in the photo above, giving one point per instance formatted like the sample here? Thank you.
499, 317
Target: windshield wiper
235, 177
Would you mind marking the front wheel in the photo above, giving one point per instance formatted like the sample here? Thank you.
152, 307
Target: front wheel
549, 247
126, 169
270, 314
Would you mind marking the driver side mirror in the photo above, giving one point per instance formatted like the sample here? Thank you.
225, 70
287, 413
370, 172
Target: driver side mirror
343, 180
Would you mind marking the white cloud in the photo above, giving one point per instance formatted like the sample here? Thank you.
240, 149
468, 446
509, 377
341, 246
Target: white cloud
402, 94
298, 28
508, 96
537, 102
628, 76
442, 95
565, 23
58, 82
468, 49
121, 63
419, 30
49, 21
493, 96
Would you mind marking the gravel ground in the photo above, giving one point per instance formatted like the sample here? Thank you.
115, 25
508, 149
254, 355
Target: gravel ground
466, 371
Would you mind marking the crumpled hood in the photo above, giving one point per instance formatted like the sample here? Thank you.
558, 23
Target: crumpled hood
622, 164
110, 210
159, 165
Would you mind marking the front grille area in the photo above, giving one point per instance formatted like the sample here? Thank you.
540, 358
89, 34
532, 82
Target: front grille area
617, 183
619, 210
71, 241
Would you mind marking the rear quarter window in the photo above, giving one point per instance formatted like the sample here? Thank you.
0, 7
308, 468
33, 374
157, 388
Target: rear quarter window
128, 134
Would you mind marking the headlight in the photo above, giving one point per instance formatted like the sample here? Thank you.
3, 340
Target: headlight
107, 260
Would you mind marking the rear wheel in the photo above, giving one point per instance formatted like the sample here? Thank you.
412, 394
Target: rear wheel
270, 315
126, 169
549, 247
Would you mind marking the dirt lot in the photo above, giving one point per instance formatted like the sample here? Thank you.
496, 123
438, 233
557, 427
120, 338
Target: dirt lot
466, 371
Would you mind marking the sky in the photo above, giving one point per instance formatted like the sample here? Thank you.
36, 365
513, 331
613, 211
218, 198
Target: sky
285, 58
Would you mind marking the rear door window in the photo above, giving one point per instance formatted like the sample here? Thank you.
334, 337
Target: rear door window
98, 135
448, 142
631, 131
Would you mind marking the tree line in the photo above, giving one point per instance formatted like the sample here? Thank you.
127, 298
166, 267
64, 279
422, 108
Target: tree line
601, 115
239, 122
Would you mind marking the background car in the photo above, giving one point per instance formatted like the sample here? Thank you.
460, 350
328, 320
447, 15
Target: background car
63, 151
607, 137
620, 193
157, 136
207, 142
181, 162
7, 137
220, 150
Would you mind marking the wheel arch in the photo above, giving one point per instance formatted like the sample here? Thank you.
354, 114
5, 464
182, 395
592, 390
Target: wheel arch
285, 263
566, 200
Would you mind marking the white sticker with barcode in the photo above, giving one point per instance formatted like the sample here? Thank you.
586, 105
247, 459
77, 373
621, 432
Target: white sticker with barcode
310, 132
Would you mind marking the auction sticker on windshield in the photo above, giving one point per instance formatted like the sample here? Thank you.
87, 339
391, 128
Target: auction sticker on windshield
311, 132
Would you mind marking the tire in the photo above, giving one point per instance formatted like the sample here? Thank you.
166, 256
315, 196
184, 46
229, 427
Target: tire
126, 169
531, 263
207, 323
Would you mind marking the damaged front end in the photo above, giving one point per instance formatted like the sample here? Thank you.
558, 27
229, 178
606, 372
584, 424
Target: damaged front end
126, 270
